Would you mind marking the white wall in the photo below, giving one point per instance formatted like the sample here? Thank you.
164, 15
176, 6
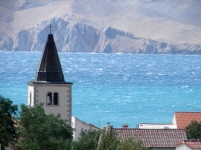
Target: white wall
39, 93
30, 95
156, 126
174, 120
183, 147
79, 125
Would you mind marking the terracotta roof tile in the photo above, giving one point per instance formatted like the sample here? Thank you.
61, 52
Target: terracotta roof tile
194, 144
153, 137
184, 118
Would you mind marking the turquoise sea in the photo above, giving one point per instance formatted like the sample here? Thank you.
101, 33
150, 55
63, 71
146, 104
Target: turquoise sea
115, 88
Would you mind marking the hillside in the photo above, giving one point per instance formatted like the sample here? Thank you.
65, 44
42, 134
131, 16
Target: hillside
120, 26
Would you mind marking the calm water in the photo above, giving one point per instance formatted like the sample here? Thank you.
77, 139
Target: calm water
115, 88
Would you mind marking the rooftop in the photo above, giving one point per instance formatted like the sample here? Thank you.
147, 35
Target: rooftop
50, 69
191, 143
183, 119
153, 137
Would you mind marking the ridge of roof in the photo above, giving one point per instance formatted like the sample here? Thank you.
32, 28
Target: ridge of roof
187, 112
86, 122
195, 143
143, 129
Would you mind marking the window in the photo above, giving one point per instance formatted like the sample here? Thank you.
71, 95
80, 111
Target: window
52, 99
49, 98
55, 98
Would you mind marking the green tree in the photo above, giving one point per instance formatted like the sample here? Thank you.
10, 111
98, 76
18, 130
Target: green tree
104, 140
193, 130
88, 140
95, 140
130, 144
108, 140
39, 131
8, 131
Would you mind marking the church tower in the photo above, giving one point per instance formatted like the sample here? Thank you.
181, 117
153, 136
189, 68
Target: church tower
49, 87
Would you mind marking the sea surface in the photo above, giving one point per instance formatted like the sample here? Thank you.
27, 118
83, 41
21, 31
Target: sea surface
116, 88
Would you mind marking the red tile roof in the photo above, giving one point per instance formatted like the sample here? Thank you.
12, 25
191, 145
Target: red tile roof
153, 137
191, 143
184, 118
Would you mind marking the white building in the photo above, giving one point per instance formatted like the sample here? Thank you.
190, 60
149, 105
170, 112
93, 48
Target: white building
156, 126
79, 125
180, 121
49, 87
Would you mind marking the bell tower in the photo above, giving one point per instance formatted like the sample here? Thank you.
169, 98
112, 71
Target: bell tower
49, 87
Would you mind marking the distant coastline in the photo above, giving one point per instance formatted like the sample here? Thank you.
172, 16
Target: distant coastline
138, 27
179, 52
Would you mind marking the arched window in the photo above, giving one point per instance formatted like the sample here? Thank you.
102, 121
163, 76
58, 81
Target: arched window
49, 98
56, 101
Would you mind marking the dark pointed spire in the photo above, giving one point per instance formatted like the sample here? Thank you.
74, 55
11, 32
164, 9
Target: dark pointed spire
49, 68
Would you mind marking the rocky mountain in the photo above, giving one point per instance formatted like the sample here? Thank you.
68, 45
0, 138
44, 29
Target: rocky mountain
119, 26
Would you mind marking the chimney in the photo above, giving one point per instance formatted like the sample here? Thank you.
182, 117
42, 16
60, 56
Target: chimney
125, 126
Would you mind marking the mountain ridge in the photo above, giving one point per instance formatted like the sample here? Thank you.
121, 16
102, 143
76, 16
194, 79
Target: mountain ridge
104, 27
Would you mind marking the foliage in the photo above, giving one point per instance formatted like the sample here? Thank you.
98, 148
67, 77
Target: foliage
193, 130
108, 141
40, 131
88, 140
95, 140
8, 131
103, 140
130, 144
